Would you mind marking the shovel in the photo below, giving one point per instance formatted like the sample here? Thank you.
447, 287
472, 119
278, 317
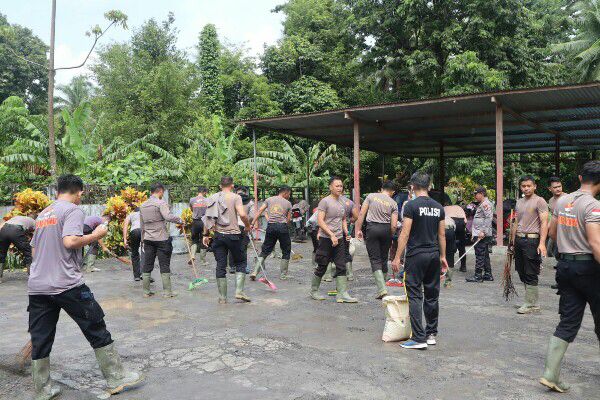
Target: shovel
264, 279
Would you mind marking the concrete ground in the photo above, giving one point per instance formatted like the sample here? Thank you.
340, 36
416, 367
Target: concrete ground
285, 346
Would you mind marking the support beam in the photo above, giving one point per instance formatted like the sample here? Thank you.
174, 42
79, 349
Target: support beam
499, 173
557, 156
356, 158
255, 173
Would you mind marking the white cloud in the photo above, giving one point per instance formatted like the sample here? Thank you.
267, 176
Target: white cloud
64, 56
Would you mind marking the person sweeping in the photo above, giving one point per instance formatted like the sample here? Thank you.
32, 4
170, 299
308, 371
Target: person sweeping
381, 213
221, 216
333, 229
198, 207
15, 231
279, 214
56, 283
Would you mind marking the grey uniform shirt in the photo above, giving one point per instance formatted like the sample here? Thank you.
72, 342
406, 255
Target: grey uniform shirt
198, 206
335, 213
381, 208
573, 212
56, 269
134, 221
482, 221
154, 215
27, 223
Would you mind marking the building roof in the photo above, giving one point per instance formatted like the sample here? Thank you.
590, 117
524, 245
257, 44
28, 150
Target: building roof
464, 125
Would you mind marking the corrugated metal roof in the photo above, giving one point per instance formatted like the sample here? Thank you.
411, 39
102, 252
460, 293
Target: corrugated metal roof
464, 125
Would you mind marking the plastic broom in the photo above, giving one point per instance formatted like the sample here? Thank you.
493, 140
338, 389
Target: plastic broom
264, 279
197, 282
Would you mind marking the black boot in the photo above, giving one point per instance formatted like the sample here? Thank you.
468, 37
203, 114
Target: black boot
475, 278
463, 268
488, 277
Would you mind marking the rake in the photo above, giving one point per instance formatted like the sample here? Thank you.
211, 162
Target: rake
264, 279
197, 282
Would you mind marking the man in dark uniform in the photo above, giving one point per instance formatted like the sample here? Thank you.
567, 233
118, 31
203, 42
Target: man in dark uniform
154, 215
56, 283
279, 214
15, 231
222, 212
457, 213
482, 230
333, 228
198, 207
424, 237
530, 241
576, 229
381, 213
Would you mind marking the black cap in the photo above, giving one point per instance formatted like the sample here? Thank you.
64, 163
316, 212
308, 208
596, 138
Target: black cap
480, 189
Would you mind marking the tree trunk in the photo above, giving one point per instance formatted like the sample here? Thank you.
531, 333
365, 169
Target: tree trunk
51, 72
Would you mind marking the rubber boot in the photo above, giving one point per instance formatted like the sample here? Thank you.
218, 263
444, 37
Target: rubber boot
380, 281
203, 256
166, 282
1, 272
240, 280
478, 277
341, 283
89, 262
531, 297
314, 288
349, 272
327, 277
448, 280
222, 286
551, 378
117, 377
44, 387
260, 263
146, 284
285, 264
313, 261
193, 250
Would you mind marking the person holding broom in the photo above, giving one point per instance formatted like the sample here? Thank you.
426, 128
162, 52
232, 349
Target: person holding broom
576, 230
56, 283
156, 242
16, 231
89, 260
333, 229
221, 216
279, 214
198, 207
381, 213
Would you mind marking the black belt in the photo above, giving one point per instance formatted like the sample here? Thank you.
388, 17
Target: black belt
576, 257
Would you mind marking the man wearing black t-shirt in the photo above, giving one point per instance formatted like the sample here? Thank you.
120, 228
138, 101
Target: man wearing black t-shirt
423, 235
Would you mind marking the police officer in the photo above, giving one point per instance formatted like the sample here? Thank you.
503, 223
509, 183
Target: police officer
450, 248
423, 237
154, 215
351, 216
198, 207
222, 212
576, 228
333, 229
555, 187
530, 241
457, 213
482, 230
14, 231
132, 239
248, 204
90, 223
279, 214
381, 213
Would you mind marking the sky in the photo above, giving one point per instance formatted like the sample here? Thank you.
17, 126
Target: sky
244, 22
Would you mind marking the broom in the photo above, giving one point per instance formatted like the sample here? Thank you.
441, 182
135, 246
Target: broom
508, 289
295, 256
197, 282
264, 279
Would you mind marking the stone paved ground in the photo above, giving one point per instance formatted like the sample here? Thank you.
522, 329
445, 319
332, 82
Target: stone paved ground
285, 346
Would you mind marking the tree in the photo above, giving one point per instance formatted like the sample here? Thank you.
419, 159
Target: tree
78, 91
209, 50
584, 48
308, 94
23, 69
465, 73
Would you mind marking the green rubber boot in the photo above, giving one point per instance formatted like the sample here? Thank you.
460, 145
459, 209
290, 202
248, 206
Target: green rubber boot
314, 288
448, 280
44, 387
327, 277
341, 283
260, 263
203, 256
380, 281
240, 281
349, 272
117, 377
193, 250
166, 282
1, 272
146, 284
285, 264
89, 262
556, 351
222, 286
531, 298
313, 261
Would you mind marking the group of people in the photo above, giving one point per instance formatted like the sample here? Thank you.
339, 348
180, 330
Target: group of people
429, 235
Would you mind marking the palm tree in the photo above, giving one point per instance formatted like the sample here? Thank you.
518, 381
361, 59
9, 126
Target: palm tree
585, 46
293, 165
78, 91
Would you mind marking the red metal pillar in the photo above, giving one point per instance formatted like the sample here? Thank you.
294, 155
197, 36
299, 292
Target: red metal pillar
499, 174
356, 163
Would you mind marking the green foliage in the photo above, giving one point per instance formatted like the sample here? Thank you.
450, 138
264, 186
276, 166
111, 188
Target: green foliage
208, 64
308, 94
465, 73
79, 90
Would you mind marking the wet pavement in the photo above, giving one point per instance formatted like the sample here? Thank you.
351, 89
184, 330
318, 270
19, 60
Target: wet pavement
284, 345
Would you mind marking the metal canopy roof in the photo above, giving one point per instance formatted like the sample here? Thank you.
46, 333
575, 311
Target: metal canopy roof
464, 125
